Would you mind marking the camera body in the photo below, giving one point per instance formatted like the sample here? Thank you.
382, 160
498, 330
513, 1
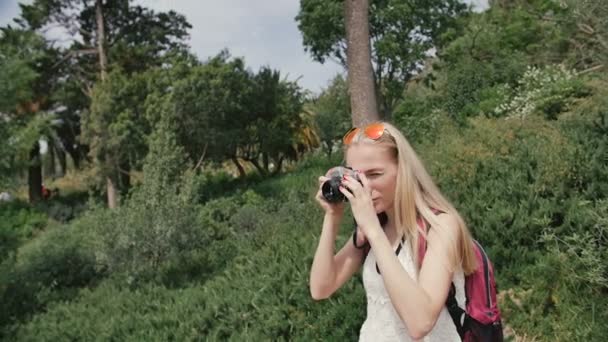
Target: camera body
331, 187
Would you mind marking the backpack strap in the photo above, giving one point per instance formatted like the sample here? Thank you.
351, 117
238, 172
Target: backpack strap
458, 314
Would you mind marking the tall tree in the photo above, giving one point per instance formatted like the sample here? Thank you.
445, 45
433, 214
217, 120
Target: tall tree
402, 33
358, 58
106, 35
25, 62
111, 190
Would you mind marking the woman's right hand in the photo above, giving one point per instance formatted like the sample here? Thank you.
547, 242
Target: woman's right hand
336, 209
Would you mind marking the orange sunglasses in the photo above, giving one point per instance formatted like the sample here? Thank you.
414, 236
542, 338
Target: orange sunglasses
373, 131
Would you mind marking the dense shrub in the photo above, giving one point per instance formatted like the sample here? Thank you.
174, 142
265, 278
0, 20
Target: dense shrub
52, 267
18, 222
157, 234
262, 295
419, 114
550, 90
509, 179
568, 286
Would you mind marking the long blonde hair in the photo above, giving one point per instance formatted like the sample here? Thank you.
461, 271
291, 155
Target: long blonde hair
417, 195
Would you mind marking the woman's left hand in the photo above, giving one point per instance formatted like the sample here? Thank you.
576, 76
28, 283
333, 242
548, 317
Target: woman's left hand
360, 197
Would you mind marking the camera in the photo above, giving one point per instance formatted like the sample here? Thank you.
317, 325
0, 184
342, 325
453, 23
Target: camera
331, 187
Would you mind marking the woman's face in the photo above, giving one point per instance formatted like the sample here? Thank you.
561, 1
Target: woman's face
380, 168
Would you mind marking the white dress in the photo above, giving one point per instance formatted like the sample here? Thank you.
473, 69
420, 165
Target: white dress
383, 322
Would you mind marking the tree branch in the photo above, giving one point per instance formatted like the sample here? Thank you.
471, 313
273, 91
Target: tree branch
200, 160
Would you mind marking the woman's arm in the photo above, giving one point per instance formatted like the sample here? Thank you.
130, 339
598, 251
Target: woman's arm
419, 303
328, 272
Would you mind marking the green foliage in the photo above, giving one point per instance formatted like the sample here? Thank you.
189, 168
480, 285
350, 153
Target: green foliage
550, 90
157, 227
226, 113
209, 106
567, 286
587, 127
151, 313
494, 50
280, 128
115, 126
52, 267
528, 190
18, 223
135, 39
510, 180
262, 294
20, 50
332, 113
24, 63
586, 25
418, 114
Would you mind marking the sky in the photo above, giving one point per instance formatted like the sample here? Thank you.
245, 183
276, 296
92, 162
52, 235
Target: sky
264, 32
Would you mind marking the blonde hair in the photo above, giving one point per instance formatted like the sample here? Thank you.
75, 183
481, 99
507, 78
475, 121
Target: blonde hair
417, 195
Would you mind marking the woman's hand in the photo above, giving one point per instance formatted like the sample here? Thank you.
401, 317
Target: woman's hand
359, 196
336, 209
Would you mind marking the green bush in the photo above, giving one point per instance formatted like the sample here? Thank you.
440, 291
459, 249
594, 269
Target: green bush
419, 114
563, 295
550, 90
215, 184
510, 180
18, 223
51, 267
150, 313
496, 48
262, 294
157, 234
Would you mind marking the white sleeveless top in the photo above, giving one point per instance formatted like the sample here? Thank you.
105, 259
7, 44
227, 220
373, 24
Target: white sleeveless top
383, 322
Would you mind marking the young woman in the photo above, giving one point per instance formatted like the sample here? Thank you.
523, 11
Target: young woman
405, 300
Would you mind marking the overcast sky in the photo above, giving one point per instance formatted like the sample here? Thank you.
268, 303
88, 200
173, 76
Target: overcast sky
264, 32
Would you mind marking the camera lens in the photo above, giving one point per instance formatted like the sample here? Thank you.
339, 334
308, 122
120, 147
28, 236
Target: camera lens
331, 190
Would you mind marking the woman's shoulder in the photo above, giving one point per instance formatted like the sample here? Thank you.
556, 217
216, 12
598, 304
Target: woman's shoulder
445, 230
447, 223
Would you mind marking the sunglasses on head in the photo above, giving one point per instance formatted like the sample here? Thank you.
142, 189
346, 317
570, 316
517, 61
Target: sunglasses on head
373, 131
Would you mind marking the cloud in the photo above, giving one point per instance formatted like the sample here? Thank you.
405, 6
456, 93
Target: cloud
264, 32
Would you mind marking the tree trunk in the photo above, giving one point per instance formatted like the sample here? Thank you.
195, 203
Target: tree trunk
34, 175
51, 167
265, 161
330, 147
103, 62
76, 155
63, 165
124, 178
279, 166
240, 167
359, 63
257, 165
101, 40
111, 192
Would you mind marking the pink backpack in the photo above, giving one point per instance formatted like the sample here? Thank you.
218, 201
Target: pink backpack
481, 319
480, 322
